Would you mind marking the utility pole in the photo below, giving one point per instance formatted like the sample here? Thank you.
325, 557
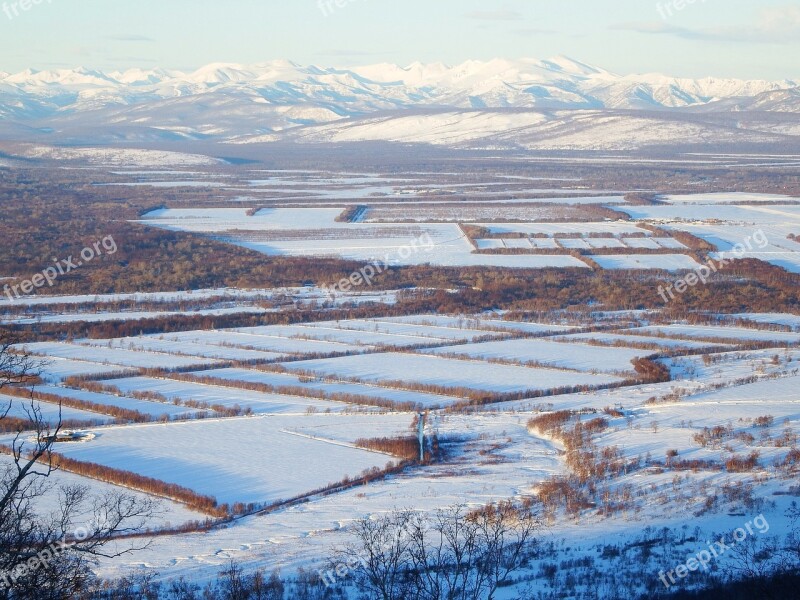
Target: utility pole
421, 422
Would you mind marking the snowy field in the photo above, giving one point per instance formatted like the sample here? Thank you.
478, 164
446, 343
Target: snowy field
246, 338
154, 409
295, 443
480, 322
340, 333
166, 513
237, 460
54, 370
113, 356
619, 339
128, 316
430, 332
258, 402
727, 333
788, 320
555, 229
331, 387
667, 262
20, 408
476, 375
580, 357
159, 344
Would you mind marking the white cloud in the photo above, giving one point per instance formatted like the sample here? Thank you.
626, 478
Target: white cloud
495, 15
778, 25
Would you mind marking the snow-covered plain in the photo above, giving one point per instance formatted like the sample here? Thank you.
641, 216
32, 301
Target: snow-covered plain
128, 316
396, 396
434, 370
581, 357
114, 356
668, 262
257, 402
295, 443
237, 460
726, 333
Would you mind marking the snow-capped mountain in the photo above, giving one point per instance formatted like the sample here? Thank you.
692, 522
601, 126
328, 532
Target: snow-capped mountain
281, 100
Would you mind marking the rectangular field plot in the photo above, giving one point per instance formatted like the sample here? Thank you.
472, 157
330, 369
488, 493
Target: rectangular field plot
556, 229
114, 356
575, 243
154, 409
247, 338
259, 402
543, 243
99, 317
148, 343
666, 262
480, 322
614, 339
786, 319
605, 242
169, 513
331, 332
434, 332
353, 389
581, 357
19, 408
489, 244
244, 460
643, 243
727, 333
56, 370
411, 368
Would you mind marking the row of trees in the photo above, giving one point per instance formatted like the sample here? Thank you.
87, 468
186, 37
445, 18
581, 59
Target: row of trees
48, 555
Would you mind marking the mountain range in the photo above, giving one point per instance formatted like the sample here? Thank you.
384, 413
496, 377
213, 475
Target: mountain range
526, 103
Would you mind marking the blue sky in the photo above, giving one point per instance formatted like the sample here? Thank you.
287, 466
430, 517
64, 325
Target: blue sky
725, 38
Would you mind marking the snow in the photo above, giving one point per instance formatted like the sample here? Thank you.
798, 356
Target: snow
668, 262
480, 322
727, 333
113, 356
235, 460
258, 402
166, 513
250, 339
51, 413
566, 355
304, 294
554, 229
615, 338
332, 387
476, 375
442, 244
54, 370
769, 318
154, 409
128, 316
158, 344
425, 332
121, 157
723, 198
294, 444
332, 332
218, 293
